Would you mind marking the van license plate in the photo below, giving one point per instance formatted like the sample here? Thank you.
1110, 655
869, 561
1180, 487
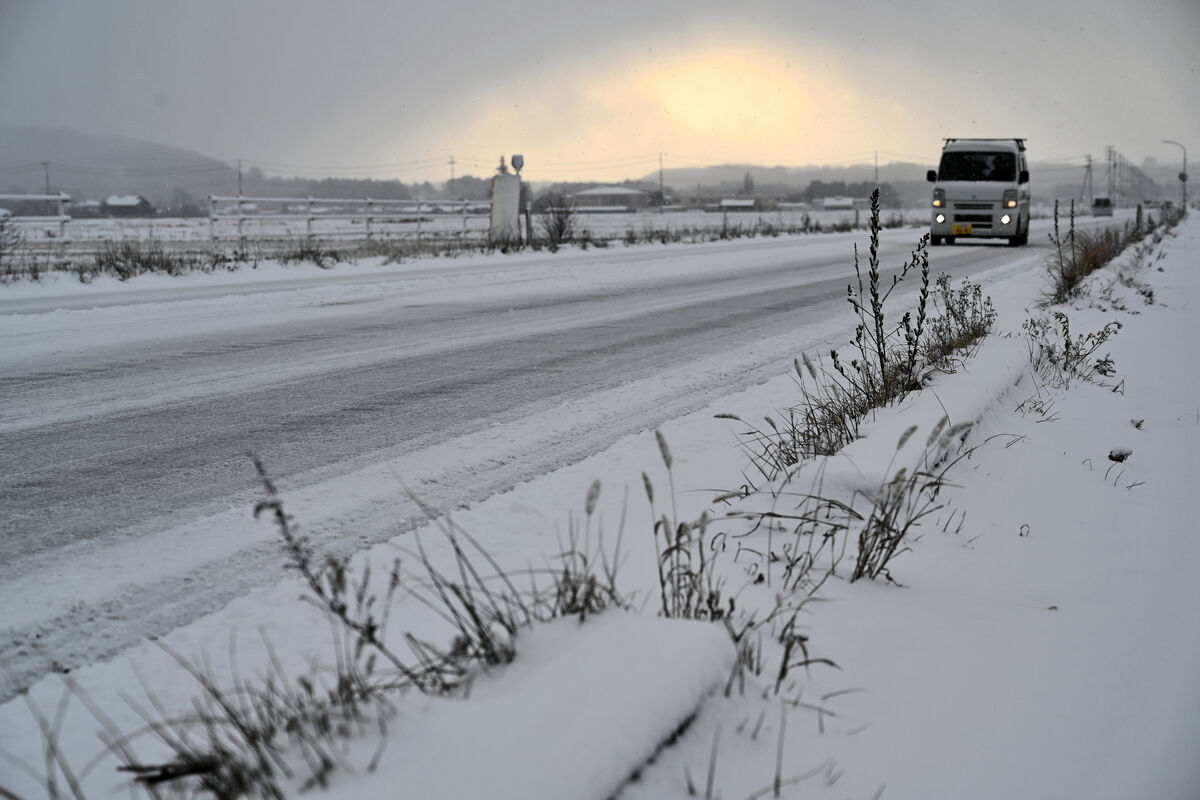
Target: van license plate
960, 230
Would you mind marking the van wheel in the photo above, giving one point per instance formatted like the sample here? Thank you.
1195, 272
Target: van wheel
935, 241
1014, 241
1022, 238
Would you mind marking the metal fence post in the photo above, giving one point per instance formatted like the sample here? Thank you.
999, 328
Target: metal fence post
241, 220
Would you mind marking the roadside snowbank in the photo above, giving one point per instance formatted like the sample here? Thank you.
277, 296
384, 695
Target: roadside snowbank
580, 710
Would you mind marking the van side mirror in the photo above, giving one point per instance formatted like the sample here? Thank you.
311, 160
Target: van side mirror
1023, 177
931, 176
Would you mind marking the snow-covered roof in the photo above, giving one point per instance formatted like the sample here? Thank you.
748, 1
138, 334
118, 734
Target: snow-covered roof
607, 190
124, 200
738, 202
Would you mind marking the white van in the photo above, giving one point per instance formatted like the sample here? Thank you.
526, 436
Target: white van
981, 191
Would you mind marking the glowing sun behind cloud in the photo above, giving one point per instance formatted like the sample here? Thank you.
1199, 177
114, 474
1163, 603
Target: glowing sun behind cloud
708, 103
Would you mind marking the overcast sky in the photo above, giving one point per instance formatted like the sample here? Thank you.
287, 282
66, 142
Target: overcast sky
597, 89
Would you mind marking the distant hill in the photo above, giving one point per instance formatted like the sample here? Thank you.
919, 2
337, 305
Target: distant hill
908, 180
92, 166
732, 175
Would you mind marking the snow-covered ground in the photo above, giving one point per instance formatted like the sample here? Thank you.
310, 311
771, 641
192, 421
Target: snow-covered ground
642, 224
685, 223
1042, 641
472, 374
600, 225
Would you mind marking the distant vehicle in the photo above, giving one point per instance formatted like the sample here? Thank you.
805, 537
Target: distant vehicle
1102, 207
981, 191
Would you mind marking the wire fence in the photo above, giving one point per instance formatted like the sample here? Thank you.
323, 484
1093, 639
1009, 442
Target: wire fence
332, 218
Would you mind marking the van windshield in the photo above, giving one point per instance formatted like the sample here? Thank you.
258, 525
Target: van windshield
964, 166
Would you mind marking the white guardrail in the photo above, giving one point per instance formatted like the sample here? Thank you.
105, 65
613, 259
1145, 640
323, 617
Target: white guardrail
61, 216
241, 209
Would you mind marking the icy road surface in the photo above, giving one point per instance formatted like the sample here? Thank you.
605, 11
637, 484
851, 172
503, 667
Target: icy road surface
127, 411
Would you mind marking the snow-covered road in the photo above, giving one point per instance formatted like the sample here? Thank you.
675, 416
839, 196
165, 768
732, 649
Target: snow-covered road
126, 411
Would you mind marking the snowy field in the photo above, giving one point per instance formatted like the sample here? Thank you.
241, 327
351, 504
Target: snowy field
443, 226
1038, 639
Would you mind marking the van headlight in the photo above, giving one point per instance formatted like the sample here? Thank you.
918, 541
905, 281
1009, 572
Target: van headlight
939, 198
1010, 198
1005, 219
940, 218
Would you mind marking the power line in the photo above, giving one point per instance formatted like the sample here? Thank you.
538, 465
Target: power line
424, 162
162, 170
21, 168
146, 172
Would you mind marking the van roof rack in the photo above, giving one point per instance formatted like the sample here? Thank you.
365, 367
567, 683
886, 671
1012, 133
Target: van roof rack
1020, 142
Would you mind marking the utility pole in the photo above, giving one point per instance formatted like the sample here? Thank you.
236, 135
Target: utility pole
1108, 157
876, 169
1086, 193
1116, 179
239, 177
1121, 176
662, 200
450, 190
46, 172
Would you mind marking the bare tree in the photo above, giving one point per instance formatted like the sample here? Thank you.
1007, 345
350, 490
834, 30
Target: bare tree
748, 184
10, 241
557, 220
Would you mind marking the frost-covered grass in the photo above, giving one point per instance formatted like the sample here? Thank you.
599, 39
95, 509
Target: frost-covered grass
1077, 254
892, 354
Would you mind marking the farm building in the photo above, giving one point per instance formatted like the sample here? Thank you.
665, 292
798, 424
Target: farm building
127, 205
85, 209
831, 203
735, 204
609, 198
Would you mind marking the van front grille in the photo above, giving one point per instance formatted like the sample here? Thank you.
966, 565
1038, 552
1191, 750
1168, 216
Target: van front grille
976, 218
974, 206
